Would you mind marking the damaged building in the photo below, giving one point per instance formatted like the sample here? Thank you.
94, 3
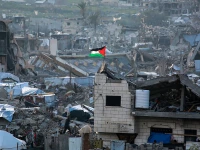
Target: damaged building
164, 109
172, 7
10, 52
11, 56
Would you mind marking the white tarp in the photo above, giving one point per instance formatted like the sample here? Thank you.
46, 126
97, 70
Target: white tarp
78, 107
9, 142
45, 42
4, 75
12, 85
15, 88
7, 111
83, 81
29, 91
50, 99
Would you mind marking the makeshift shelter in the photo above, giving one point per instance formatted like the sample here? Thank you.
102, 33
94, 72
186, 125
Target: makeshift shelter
6, 111
9, 142
29, 91
4, 75
79, 112
14, 88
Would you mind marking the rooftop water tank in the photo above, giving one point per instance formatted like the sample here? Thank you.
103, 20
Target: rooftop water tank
197, 65
142, 99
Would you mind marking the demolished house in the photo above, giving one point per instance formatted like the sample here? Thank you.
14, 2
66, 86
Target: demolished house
11, 56
37, 117
172, 7
79, 65
164, 109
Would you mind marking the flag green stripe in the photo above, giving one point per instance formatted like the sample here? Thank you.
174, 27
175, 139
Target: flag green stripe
96, 55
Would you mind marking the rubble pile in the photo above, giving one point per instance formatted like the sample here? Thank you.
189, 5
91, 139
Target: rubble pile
52, 92
169, 102
34, 111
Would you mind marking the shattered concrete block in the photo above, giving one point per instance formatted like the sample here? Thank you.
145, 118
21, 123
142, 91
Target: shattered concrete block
61, 109
29, 121
41, 117
43, 125
13, 127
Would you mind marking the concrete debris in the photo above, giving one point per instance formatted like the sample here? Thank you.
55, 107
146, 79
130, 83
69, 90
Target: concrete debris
40, 118
47, 80
85, 129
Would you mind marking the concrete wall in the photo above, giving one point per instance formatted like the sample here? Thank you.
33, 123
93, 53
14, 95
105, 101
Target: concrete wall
71, 26
178, 126
58, 143
112, 119
53, 47
107, 137
109, 120
110, 1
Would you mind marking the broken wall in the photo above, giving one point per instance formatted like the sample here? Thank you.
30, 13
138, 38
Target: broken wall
178, 126
44, 44
107, 137
71, 26
53, 47
112, 119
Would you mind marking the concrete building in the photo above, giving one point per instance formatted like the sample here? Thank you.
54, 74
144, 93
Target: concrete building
117, 114
104, 2
20, 1
112, 108
4, 34
71, 26
171, 7
114, 2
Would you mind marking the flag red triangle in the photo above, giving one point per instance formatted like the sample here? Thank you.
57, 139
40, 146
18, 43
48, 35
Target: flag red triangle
103, 51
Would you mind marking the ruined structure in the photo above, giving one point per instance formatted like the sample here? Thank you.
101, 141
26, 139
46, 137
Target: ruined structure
171, 7
173, 100
11, 58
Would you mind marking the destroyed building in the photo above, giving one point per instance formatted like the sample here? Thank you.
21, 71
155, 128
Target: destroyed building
142, 92
172, 7
11, 56
72, 26
168, 106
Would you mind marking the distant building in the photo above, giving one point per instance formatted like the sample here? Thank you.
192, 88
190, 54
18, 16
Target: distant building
20, 1
71, 26
40, 1
171, 7
45, 2
4, 32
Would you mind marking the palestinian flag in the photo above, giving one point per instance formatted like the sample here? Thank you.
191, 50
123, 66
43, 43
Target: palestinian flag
98, 52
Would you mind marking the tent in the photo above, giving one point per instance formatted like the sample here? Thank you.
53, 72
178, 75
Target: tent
28, 91
7, 111
9, 142
78, 107
4, 75
14, 88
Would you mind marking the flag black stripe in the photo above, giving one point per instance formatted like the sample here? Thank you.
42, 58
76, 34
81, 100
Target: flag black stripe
97, 49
